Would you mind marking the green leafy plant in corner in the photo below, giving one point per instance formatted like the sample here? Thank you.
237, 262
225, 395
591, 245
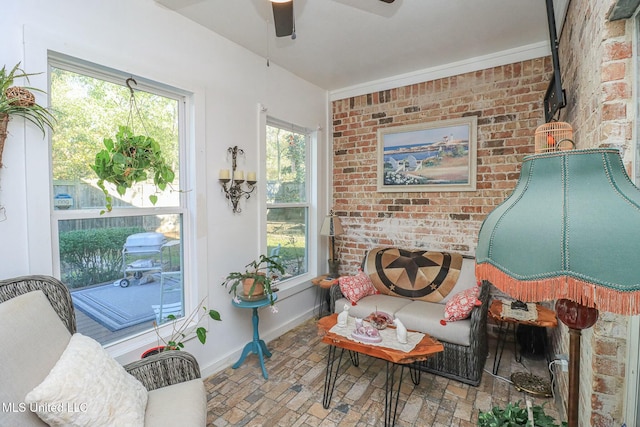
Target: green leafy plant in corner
179, 331
128, 160
513, 415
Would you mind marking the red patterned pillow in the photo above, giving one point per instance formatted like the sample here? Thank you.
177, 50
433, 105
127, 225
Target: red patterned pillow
356, 287
459, 307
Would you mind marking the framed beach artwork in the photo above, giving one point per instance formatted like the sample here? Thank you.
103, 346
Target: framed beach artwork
436, 156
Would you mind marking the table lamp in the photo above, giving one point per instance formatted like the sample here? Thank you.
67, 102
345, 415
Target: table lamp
570, 232
331, 227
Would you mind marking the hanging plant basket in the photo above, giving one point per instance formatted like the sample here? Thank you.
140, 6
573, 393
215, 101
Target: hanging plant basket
20, 97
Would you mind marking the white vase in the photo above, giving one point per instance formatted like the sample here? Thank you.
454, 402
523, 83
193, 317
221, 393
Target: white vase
401, 331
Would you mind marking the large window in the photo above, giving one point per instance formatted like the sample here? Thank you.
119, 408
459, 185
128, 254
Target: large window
287, 195
124, 267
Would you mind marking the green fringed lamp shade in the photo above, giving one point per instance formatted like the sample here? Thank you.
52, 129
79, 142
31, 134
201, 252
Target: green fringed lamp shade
571, 229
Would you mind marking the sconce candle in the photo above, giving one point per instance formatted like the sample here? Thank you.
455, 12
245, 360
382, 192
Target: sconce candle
233, 187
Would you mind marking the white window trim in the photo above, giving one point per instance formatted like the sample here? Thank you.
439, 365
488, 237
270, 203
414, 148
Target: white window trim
38, 42
301, 282
133, 342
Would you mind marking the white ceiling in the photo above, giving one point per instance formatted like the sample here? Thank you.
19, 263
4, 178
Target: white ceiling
344, 43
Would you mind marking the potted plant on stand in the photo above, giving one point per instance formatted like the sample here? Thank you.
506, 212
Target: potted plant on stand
179, 331
256, 280
20, 101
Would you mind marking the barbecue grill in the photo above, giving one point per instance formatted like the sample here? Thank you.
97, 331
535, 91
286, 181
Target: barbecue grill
146, 248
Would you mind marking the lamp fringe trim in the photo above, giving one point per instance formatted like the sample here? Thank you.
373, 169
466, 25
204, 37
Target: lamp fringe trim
553, 288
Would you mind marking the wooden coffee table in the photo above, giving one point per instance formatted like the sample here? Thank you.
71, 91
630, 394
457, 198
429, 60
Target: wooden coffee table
394, 359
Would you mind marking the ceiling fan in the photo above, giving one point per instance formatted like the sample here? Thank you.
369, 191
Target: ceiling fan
284, 20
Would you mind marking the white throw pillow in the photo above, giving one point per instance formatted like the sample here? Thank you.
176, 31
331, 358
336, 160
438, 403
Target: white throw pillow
87, 387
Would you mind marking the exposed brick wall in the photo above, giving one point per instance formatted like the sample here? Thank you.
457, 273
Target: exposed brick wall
596, 58
508, 103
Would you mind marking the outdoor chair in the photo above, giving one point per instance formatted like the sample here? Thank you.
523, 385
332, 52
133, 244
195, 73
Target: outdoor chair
38, 322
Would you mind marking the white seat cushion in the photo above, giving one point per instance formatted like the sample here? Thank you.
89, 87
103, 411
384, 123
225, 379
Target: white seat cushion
183, 404
425, 317
35, 337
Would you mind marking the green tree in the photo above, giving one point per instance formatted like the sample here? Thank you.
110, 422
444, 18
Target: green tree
91, 109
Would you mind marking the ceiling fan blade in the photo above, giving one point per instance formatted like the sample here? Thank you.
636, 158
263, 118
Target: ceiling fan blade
283, 18
388, 1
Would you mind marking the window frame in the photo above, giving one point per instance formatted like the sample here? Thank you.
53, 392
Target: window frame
293, 284
183, 209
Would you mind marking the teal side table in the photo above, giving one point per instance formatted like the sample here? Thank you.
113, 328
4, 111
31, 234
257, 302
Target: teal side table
257, 346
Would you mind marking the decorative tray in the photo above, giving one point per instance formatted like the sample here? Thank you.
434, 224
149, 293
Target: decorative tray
379, 319
367, 334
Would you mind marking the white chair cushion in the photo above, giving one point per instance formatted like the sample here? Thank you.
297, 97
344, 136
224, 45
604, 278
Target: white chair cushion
34, 338
87, 387
425, 317
183, 404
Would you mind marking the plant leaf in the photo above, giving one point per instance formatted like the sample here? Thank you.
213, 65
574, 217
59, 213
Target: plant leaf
202, 334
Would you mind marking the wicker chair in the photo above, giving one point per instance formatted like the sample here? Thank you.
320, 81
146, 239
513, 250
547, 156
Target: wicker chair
166, 373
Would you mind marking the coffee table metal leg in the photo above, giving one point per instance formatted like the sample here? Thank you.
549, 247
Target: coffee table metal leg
354, 356
331, 375
415, 372
391, 400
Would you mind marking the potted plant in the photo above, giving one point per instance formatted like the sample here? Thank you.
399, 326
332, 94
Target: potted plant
128, 160
513, 415
257, 279
179, 331
20, 101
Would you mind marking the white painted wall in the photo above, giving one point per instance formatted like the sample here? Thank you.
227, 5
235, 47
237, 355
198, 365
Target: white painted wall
228, 84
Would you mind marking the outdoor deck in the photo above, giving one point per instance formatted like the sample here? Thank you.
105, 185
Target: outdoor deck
88, 326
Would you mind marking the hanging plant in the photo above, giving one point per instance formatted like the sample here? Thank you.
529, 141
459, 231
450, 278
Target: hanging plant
131, 159
20, 101
128, 160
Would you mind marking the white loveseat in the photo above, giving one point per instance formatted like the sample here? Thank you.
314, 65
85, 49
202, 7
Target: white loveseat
464, 341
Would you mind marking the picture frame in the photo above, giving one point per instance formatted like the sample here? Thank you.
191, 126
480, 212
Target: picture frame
429, 157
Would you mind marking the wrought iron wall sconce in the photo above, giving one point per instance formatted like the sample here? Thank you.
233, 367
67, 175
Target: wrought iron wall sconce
231, 180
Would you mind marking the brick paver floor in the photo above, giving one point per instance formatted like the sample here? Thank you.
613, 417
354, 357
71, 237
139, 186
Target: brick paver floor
292, 396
